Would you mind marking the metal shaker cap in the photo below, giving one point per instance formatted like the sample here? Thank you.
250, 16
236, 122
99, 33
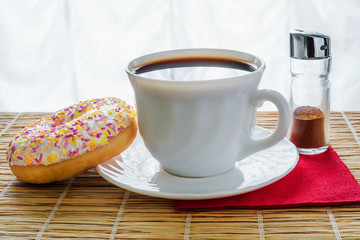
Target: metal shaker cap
309, 45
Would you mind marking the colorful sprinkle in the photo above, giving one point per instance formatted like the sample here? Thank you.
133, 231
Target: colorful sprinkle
70, 132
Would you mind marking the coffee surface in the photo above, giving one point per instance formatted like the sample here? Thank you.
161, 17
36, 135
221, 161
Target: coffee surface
194, 68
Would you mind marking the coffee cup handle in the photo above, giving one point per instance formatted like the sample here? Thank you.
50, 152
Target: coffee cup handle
256, 100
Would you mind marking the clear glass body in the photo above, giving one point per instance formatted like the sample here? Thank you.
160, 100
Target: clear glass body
310, 104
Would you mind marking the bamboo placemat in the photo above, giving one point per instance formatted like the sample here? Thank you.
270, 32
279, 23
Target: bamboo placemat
88, 207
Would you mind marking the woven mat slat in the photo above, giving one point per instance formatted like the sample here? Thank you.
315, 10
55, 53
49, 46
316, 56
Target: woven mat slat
92, 207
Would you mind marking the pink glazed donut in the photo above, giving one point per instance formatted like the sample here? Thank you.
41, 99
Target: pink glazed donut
72, 140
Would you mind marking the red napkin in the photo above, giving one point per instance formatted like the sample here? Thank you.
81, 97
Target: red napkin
316, 180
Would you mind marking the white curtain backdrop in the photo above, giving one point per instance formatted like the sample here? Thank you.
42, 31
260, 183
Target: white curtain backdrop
56, 53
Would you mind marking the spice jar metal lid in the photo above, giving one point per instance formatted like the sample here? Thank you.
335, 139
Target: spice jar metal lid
309, 45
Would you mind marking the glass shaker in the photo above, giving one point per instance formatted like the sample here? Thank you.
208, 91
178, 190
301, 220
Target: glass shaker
310, 62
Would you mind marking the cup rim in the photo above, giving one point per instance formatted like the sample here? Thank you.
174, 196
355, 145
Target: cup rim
200, 52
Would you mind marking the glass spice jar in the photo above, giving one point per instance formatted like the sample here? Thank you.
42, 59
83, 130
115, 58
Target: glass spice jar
310, 63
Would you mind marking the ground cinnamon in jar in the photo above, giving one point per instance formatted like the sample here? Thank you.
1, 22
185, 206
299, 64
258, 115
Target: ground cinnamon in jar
308, 128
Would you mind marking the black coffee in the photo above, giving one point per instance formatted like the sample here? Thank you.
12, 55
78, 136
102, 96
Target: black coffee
194, 68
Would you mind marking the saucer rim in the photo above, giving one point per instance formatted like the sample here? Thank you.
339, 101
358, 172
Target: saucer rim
199, 196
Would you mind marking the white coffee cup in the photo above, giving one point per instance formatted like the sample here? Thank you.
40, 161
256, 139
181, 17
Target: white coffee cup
201, 128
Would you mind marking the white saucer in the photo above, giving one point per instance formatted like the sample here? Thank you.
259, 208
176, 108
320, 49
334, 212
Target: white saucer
136, 170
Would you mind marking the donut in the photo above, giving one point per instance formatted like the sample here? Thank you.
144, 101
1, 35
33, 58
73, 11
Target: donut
72, 140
